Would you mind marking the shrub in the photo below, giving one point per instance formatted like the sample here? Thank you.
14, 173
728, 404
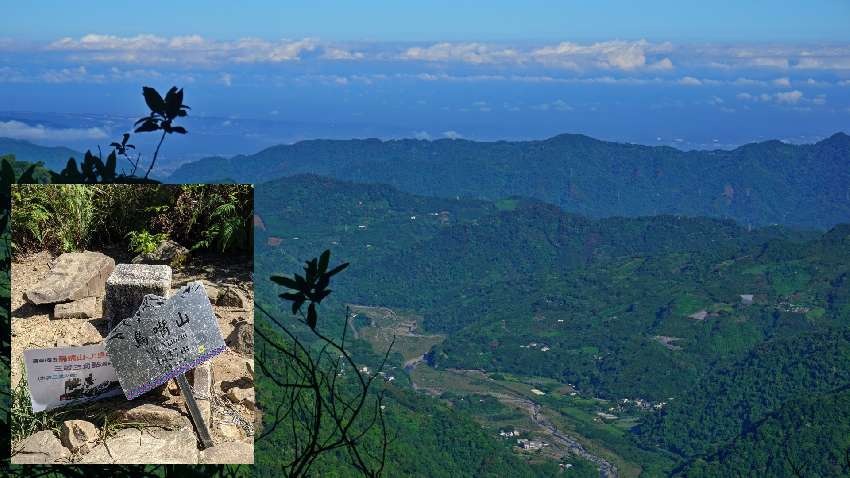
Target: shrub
143, 242
56, 217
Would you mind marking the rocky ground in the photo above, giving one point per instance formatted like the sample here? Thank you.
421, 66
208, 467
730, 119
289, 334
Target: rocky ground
154, 428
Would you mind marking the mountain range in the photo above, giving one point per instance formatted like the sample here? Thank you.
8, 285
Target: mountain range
756, 184
54, 158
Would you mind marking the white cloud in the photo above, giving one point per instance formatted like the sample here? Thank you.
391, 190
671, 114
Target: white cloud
133, 74
663, 64
477, 53
70, 75
747, 82
20, 130
770, 62
191, 49
261, 51
782, 82
557, 105
452, 134
834, 63
94, 41
422, 135
789, 97
617, 55
226, 79
333, 53
690, 81
622, 55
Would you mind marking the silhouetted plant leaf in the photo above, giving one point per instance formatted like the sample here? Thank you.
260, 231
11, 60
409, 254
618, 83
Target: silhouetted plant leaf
337, 269
148, 125
323, 261
179, 129
285, 281
173, 102
153, 100
292, 296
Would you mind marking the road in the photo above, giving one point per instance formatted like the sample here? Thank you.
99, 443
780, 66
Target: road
535, 411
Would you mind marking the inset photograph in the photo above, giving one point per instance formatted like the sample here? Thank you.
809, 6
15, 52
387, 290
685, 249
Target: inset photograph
132, 324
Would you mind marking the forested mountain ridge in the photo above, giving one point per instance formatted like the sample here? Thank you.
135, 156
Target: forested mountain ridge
756, 184
54, 158
654, 308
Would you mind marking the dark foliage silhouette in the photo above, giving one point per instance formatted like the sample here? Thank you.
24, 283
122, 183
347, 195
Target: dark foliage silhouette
94, 170
331, 405
163, 114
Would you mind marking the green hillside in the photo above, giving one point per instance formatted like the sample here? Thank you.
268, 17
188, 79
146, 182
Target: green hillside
644, 308
759, 184
809, 436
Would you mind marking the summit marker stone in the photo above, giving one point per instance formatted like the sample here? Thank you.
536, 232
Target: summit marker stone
128, 285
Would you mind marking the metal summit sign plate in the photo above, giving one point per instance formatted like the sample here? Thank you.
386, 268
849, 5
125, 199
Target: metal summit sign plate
164, 339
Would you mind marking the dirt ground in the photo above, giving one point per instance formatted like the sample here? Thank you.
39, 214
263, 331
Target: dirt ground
34, 327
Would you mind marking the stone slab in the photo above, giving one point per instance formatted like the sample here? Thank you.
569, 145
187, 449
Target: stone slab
74, 275
230, 453
40, 447
163, 339
146, 446
85, 308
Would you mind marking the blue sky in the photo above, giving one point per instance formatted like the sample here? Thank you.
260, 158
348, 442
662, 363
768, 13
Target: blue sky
396, 20
686, 74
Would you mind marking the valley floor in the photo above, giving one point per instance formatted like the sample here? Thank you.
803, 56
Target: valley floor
539, 425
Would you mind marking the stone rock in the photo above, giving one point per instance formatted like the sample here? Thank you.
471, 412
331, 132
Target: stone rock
245, 396
212, 291
232, 297
242, 339
152, 415
75, 275
168, 252
41, 447
150, 445
85, 308
229, 430
249, 367
230, 453
128, 285
78, 435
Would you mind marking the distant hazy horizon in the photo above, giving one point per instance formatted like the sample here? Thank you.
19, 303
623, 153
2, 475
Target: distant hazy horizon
658, 74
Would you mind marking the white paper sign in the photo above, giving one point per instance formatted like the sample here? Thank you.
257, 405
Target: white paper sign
63, 376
